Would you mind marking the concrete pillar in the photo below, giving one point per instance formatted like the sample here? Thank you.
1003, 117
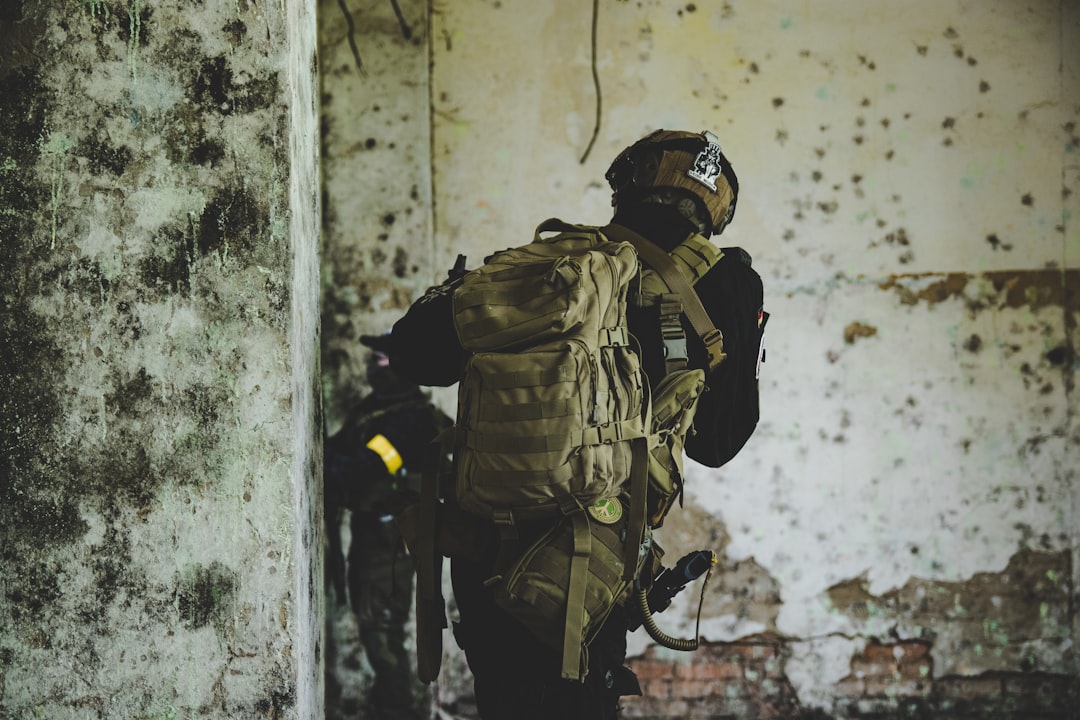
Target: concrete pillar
160, 511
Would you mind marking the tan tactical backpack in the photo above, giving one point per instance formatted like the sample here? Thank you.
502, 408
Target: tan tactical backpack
554, 421
552, 396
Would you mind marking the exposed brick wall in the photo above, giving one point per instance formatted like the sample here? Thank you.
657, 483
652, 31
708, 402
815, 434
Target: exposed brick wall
893, 677
895, 670
742, 679
746, 679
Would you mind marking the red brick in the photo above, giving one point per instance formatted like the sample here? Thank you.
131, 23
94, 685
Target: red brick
656, 688
753, 651
683, 670
776, 711
873, 668
695, 689
651, 708
898, 688
719, 654
677, 707
755, 673
877, 686
648, 707
774, 668
880, 653
914, 651
917, 669
708, 670
728, 707
646, 669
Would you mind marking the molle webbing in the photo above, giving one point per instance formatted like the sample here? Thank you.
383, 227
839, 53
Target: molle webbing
574, 629
564, 586
695, 256
512, 442
552, 393
674, 403
531, 377
530, 410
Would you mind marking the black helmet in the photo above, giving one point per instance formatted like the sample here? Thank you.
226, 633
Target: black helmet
689, 162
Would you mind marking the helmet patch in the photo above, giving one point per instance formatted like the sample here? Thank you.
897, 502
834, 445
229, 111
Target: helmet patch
707, 163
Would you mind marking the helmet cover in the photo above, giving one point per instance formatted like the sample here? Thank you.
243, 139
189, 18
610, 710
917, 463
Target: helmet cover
691, 162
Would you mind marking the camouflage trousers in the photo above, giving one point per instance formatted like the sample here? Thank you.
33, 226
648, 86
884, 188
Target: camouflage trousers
381, 592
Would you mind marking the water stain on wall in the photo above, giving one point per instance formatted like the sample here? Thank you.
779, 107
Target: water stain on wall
233, 221
856, 330
1031, 289
216, 88
170, 263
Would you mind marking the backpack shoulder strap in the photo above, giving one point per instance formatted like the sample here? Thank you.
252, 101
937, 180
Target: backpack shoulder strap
692, 307
561, 226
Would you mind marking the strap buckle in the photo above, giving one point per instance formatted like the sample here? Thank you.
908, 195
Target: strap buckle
675, 349
714, 347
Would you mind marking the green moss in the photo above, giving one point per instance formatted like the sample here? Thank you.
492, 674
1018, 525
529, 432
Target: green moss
215, 89
205, 594
236, 30
170, 263
186, 140
83, 277
280, 698
232, 222
112, 568
33, 505
134, 25
34, 588
103, 156
125, 399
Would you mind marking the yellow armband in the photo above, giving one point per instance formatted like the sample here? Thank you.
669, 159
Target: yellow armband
389, 454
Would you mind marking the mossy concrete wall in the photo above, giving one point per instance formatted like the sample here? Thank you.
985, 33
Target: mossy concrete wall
909, 193
159, 423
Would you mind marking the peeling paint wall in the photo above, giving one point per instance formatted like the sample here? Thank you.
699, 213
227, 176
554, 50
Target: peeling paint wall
159, 512
909, 176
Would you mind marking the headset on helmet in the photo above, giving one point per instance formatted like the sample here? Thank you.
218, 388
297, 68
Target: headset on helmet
691, 162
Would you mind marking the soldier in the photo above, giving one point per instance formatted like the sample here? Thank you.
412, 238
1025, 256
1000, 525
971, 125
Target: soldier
666, 187
370, 465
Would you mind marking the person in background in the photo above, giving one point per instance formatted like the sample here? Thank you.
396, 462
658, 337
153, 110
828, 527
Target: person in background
372, 467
